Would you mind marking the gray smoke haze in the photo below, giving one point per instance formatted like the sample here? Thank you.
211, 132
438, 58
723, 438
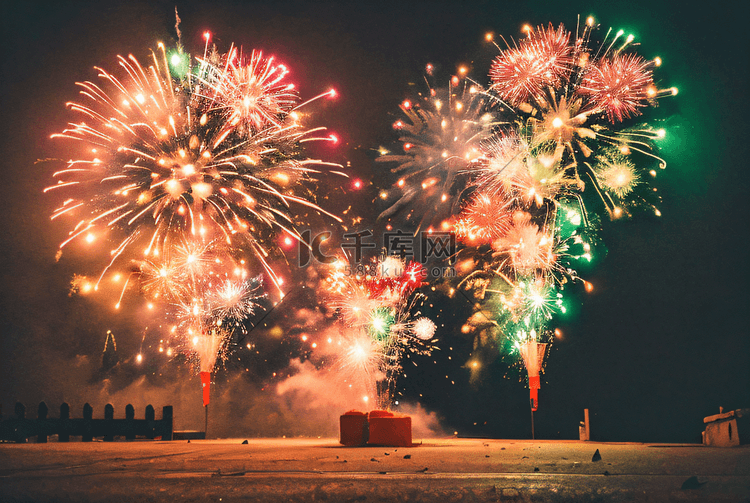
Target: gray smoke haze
58, 359
306, 403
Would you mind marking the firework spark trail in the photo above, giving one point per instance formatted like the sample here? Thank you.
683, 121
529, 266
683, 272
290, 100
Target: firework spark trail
190, 166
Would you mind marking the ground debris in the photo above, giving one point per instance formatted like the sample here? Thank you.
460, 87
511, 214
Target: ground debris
227, 474
596, 456
692, 483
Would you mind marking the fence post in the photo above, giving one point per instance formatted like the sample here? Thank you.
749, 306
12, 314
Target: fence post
64, 431
129, 424
150, 421
166, 422
88, 413
20, 416
109, 415
41, 416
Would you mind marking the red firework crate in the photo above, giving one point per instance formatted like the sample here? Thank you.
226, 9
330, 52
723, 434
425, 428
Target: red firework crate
353, 428
387, 428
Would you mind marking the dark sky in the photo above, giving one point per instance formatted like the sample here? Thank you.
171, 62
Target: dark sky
661, 343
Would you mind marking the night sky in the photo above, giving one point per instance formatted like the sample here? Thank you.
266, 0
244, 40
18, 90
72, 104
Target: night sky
661, 342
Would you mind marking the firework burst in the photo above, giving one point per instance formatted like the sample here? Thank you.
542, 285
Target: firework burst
527, 247
541, 60
559, 103
484, 219
255, 94
205, 294
439, 136
210, 154
191, 167
503, 160
619, 85
616, 173
381, 322
235, 299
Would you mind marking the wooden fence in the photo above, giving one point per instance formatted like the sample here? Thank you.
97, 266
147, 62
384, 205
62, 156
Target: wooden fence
18, 428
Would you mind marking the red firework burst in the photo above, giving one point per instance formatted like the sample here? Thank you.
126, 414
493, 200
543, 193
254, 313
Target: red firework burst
618, 85
541, 60
485, 219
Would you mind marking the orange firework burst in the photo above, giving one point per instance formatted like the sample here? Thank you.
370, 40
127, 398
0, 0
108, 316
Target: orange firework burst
504, 160
255, 92
172, 151
528, 248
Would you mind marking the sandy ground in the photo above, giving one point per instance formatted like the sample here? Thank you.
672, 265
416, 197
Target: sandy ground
438, 470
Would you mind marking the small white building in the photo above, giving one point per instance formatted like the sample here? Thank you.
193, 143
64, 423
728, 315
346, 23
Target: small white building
721, 429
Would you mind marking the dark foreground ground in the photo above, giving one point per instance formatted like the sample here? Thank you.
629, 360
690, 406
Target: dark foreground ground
438, 470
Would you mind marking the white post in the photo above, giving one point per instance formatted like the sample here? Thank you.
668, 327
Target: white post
587, 426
